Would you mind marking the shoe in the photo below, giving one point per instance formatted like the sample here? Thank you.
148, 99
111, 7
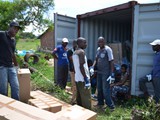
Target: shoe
98, 106
73, 102
94, 97
115, 99
144, 96
111, 109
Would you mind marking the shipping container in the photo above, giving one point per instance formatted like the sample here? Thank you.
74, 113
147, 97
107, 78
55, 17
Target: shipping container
128, 28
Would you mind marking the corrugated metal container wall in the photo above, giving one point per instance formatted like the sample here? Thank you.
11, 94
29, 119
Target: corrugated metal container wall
64, 27
146, 29
113, 23
112, 31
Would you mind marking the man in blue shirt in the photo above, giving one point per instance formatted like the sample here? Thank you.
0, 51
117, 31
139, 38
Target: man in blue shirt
60, 53
155, 74
8, 63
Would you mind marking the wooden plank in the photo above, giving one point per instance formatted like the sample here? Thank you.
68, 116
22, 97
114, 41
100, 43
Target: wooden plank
75, 113
41, 95
46, 104
11, 109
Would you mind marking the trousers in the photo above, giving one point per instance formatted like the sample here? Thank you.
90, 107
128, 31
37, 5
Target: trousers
8, 75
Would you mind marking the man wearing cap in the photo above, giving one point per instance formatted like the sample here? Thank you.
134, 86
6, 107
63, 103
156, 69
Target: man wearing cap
8, 63
60, 53
154, 77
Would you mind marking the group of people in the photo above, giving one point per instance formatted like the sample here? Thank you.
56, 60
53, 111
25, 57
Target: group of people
82, 70
83, 79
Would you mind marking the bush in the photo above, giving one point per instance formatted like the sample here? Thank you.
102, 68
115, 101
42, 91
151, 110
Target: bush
150, 111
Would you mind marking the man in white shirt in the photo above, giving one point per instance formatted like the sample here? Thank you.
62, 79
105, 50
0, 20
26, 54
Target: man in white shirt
82, 76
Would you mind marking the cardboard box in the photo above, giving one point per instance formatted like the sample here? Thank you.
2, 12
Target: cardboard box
11, 109
46, 104
41, 95
75, 113
24, 84
117, 52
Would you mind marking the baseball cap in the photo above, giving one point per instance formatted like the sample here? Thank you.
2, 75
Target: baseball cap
155, 42
15, 24
65, 40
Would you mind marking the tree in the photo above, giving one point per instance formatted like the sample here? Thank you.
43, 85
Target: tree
26, 12
27, 35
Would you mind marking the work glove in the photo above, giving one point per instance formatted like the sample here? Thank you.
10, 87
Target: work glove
111, 78
149, 76
91, 70
87, 83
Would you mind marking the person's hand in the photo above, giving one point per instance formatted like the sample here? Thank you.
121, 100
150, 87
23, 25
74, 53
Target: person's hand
17, 69
91, 70
149, 76
111, 78
112, 84
87, 83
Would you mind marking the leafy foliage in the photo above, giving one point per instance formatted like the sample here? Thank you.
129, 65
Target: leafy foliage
148, 111
26, 12
46, 83
26, 35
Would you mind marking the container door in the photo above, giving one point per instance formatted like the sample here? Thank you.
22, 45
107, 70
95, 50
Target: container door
146, 29
64, 26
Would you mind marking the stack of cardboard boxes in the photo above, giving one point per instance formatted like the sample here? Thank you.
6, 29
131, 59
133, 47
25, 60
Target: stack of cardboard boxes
41, 96
42, 106
11, 109
68, 112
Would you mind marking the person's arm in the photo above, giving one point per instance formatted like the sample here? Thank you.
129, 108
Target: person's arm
82, 69
111, 78
82, 61
94, 63
69, 55
117, 84
14, 60
112, 66
54, 53
123, 80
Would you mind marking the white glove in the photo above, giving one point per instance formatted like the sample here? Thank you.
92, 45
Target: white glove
91, 71
149, 77
87, 83
110, 79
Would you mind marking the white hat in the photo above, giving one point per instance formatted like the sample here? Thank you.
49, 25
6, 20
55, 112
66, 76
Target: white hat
65, 40
155, 42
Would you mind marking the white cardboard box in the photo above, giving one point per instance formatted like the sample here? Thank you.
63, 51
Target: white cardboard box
24, 84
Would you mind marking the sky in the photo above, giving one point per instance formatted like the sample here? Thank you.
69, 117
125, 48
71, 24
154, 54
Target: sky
74, 7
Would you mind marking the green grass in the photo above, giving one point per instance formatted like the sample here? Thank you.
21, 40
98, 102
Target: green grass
28, 44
